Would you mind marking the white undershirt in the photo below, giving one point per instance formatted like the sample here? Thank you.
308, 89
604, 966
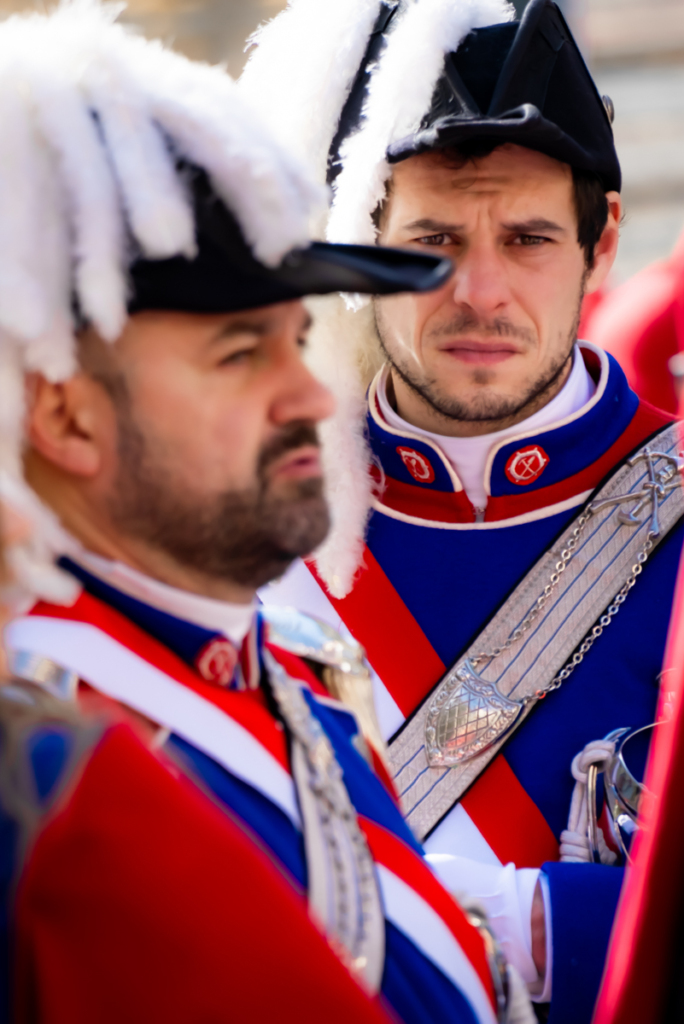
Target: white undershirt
468, 455
232, 620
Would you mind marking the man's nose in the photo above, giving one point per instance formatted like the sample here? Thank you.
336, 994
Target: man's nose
481, 280
300, 396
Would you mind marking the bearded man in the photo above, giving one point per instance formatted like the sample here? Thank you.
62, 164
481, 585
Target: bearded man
240, 859
498, 494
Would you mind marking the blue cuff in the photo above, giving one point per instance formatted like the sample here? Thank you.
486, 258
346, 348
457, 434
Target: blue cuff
583, 902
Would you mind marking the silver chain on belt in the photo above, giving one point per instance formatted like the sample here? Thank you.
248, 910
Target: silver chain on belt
658, 485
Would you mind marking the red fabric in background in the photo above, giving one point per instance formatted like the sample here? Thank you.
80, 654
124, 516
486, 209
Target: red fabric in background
590, 304
143, 902
641, 323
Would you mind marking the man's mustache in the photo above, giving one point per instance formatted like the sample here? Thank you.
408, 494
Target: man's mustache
468, 323
294, 435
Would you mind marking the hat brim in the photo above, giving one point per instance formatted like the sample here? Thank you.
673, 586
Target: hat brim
366, 269
215, 283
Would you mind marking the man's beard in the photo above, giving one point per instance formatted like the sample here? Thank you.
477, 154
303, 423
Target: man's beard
486, 407
249, 536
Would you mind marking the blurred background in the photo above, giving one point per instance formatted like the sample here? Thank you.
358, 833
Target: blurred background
635, 49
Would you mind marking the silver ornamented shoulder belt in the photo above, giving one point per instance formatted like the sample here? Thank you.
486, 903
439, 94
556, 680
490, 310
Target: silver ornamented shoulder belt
343, 890
540, 634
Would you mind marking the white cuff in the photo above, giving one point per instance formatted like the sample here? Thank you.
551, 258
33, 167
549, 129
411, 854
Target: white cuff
506, 896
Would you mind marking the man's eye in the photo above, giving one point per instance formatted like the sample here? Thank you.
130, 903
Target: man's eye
235, 358
441, 239
530, 240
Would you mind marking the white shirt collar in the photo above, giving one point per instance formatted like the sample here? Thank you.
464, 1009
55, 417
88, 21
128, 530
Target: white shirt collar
468, 455
231, 620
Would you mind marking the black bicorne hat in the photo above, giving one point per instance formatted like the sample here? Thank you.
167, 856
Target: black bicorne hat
523, 82
225, 276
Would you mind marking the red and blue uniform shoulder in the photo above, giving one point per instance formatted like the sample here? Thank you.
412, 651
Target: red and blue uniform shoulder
335, 668
127, 893
327, 650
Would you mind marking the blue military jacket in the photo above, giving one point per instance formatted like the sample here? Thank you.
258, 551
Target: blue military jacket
433, 576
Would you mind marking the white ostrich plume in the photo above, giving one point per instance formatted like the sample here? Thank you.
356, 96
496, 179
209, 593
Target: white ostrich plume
302, 68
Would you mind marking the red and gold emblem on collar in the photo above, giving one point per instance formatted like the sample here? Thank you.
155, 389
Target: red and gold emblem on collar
216, 661
418, 466
526, 465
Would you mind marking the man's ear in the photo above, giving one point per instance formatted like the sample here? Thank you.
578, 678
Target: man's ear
70, 423
606, 247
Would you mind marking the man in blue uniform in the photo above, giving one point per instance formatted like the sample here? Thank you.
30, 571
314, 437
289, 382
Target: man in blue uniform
503, 544
156, 242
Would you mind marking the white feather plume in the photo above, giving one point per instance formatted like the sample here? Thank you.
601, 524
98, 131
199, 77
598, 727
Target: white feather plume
12, 406
399, 96
30, 558
302, 68
92, 203
23, 304
157, 206
346, 455
264, 185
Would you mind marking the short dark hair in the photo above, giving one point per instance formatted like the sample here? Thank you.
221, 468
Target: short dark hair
591, 205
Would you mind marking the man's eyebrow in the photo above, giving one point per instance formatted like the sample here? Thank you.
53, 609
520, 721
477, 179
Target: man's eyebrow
437, 226
527, 227
237, 327
534, 226
257, 329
